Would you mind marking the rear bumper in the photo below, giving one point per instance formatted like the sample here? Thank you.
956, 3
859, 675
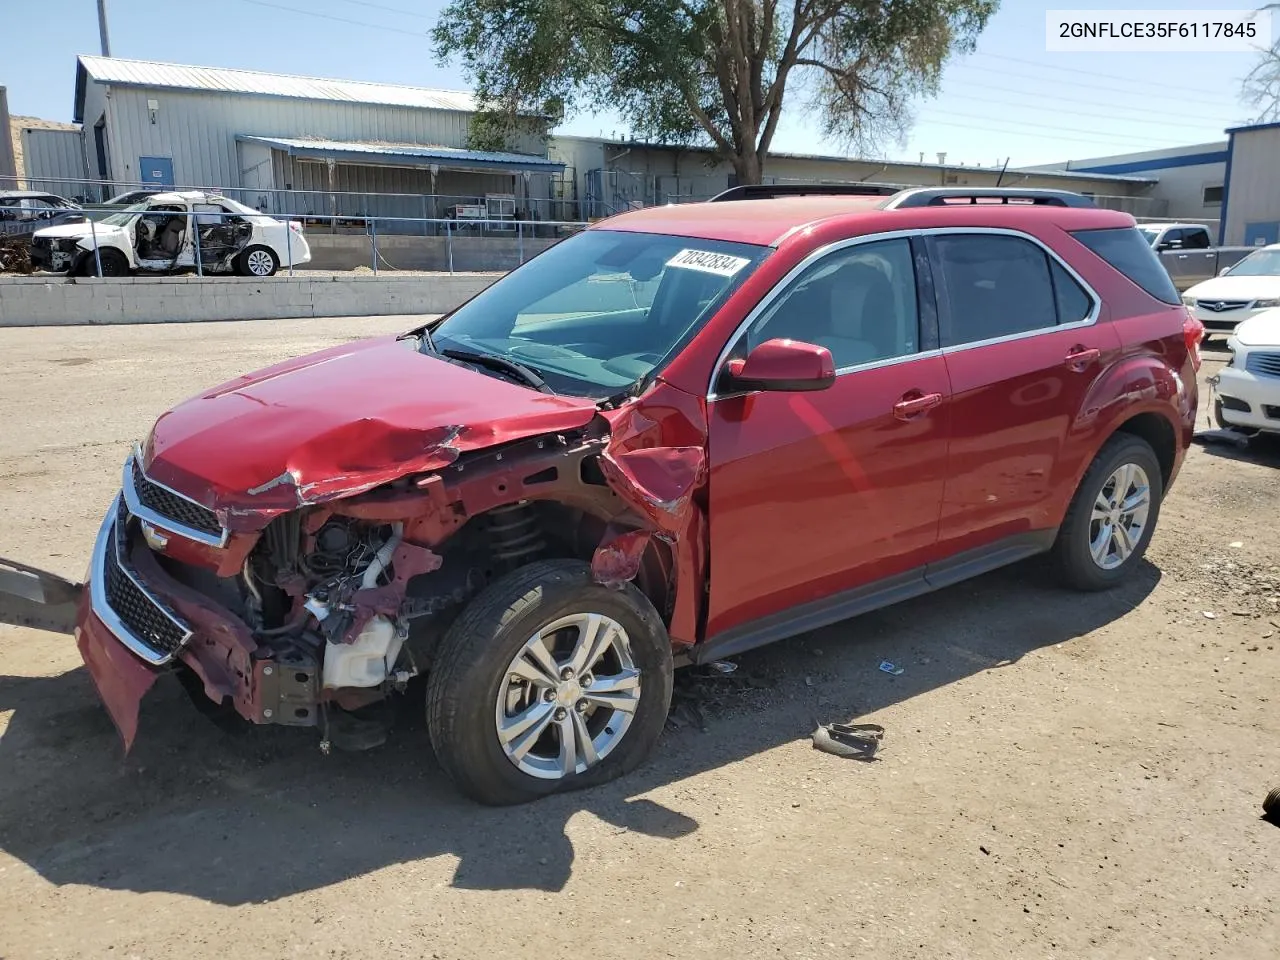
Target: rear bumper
1260, 394
121, 646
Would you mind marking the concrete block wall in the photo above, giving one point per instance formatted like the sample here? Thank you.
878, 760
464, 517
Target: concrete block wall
41, 301
346, 252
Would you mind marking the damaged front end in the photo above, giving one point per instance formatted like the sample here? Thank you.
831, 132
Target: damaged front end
315, 593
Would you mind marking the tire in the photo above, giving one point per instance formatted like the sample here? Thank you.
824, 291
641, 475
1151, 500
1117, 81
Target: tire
473, 669
114, 264
258, 261
1073, 548
1271, 805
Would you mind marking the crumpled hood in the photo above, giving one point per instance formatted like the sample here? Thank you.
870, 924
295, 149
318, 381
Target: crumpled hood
78, 231
1236, 288
1260, 330
337, 423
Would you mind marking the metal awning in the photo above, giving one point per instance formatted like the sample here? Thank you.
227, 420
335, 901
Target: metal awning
406, 155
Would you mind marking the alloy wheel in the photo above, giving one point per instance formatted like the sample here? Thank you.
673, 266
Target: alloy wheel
1119, 516
568, 697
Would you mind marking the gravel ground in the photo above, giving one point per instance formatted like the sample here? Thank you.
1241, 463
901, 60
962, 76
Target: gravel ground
1063, 776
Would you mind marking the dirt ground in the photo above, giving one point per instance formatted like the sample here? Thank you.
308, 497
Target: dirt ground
1063, 775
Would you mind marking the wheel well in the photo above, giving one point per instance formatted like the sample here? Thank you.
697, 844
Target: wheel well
1160, 436
569, 533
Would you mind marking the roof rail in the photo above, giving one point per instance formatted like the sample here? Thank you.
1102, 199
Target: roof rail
768, 191
960, 196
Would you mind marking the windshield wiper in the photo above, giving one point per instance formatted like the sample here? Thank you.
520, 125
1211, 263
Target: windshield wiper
495, 362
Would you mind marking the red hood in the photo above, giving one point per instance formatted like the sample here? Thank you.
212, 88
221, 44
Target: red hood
340, 422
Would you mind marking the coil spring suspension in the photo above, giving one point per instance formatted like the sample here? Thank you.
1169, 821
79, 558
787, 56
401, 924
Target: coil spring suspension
516, 532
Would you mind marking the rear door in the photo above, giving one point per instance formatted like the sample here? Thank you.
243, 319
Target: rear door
814, 494
1197, 261
1022, 346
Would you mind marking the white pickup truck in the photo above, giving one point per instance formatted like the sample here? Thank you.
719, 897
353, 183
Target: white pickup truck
1188, 253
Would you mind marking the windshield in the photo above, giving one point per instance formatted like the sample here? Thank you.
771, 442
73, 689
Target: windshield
1149, 234
598, 312
1263, 263
125, 215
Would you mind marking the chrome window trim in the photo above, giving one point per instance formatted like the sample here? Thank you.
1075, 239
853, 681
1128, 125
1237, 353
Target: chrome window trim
784, 284
108, 539
1088, 321
143, 512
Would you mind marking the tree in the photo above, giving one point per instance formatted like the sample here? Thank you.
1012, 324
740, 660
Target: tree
1261, 85
715, 72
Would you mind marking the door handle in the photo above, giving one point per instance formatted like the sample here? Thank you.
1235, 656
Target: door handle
1081, 356
1182, 256
910, 406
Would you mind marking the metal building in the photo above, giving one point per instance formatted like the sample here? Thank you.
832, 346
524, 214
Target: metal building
299, 145
1251, 199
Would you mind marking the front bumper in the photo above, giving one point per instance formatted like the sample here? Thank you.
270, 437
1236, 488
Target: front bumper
1224, 321
136, 622
1260, 394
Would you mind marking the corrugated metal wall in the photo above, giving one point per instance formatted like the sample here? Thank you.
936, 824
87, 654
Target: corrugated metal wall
52, 155
198, 130
1253, 195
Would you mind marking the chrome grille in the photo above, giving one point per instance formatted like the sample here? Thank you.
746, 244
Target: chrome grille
1263, 364
162, 507
122, 600
1221, 306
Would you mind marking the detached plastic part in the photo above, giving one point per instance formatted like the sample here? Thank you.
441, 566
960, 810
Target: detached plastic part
365, 662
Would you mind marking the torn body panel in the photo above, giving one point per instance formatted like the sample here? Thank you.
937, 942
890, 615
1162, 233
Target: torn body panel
336, 526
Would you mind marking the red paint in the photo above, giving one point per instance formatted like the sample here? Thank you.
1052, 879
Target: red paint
812, 493
338, 423
772, 498
782, 365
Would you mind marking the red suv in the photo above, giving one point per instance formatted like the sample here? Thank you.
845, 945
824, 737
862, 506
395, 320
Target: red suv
683, 433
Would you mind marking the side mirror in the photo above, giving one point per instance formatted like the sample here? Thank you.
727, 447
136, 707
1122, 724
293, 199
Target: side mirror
1171, 245
780, 365
1223, 271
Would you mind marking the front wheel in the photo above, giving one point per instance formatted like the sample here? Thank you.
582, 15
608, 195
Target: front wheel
1112, 516
548, 681
258, 262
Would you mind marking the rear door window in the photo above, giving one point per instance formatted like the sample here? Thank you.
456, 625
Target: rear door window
994, 286
1196, 238
1125, 250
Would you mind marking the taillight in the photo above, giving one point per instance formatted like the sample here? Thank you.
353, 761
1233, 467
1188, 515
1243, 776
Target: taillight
1193, 333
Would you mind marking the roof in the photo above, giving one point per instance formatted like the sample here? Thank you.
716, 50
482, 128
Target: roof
25, 194
769, 222
1252, 127
911, 164
148, 73
409, 154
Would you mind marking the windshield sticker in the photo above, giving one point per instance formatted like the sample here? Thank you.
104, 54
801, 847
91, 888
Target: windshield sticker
721, 264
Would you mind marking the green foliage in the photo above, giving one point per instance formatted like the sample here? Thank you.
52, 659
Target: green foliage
710, 72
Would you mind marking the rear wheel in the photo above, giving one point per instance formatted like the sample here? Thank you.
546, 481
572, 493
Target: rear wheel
548, 681
1112, 516
258, 262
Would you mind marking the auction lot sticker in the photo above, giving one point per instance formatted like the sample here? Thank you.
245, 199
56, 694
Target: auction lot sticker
721, 264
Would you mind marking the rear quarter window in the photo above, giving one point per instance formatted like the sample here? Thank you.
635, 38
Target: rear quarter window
1125, 249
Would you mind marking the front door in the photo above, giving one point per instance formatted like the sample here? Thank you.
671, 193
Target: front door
815, 494
156, 171
1022, 348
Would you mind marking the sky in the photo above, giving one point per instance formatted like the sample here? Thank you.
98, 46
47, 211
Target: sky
1009, 99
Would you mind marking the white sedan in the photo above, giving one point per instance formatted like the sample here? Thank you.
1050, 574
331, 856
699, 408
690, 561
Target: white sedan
1248, 387
1239, 292
172, 232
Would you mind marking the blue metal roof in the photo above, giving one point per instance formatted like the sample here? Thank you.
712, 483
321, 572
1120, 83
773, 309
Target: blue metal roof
355, 151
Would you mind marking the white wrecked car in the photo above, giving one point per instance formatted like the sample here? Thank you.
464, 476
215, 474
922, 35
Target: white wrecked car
158, 236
